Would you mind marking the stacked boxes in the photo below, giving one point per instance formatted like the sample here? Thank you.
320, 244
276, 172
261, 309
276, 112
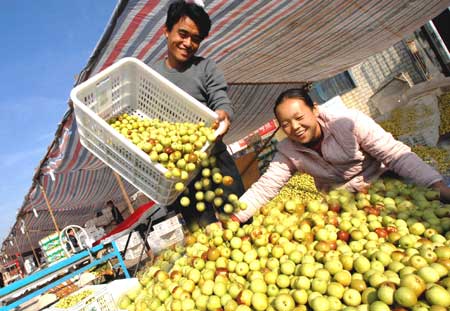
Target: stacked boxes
52, 248
134, 246
94, 233
166, 234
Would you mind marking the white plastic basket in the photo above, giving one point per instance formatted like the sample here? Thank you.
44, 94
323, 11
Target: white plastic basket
160, 242
118, 288
130, 86
166, 234
100, 300
135, 240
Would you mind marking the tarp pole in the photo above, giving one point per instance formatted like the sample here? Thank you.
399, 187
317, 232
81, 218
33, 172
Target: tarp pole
17, 246
49, 207
31, 245
124, 193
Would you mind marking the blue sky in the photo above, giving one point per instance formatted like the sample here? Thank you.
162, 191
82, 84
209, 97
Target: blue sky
45, 44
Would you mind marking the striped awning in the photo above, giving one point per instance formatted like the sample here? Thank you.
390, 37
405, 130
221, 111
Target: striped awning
262, 46
267, 46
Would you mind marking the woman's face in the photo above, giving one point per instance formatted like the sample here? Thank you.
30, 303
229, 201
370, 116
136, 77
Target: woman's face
298, 120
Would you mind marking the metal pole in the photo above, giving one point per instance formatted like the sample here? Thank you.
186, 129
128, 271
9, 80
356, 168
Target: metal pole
17, 245
49, 208
20, 261
149, 227
124, 193
31, 245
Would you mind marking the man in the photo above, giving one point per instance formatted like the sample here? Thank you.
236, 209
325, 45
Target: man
117, 216
187, 25
73, 245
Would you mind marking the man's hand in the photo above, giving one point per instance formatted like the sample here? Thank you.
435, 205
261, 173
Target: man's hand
225, 118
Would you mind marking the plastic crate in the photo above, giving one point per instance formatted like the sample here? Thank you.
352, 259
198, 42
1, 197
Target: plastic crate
159, 242
135, 252
100, 300
166, 233
130, 86
119, 288
135, 240
169, 224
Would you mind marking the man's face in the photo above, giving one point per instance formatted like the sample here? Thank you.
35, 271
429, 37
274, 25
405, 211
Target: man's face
298, 120
183, 41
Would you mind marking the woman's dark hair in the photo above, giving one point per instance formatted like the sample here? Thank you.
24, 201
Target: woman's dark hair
294, 94
180, 8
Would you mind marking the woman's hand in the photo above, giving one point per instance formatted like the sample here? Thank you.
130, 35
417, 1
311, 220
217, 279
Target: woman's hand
234, 218
444, 191
213, 226
224, 218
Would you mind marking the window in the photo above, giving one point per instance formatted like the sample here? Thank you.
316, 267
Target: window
326, 89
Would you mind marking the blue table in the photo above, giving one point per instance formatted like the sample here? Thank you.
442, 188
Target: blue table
64, 264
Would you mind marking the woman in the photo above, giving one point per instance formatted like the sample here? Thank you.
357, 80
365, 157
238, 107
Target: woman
346, 149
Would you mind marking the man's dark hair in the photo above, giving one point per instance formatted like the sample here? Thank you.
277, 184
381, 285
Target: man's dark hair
180, 8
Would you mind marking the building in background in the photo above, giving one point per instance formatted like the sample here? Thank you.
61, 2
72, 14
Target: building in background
437, 34
359, 84
374, 86
419, 57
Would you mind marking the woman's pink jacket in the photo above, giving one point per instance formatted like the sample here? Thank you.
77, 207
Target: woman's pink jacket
355, 151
